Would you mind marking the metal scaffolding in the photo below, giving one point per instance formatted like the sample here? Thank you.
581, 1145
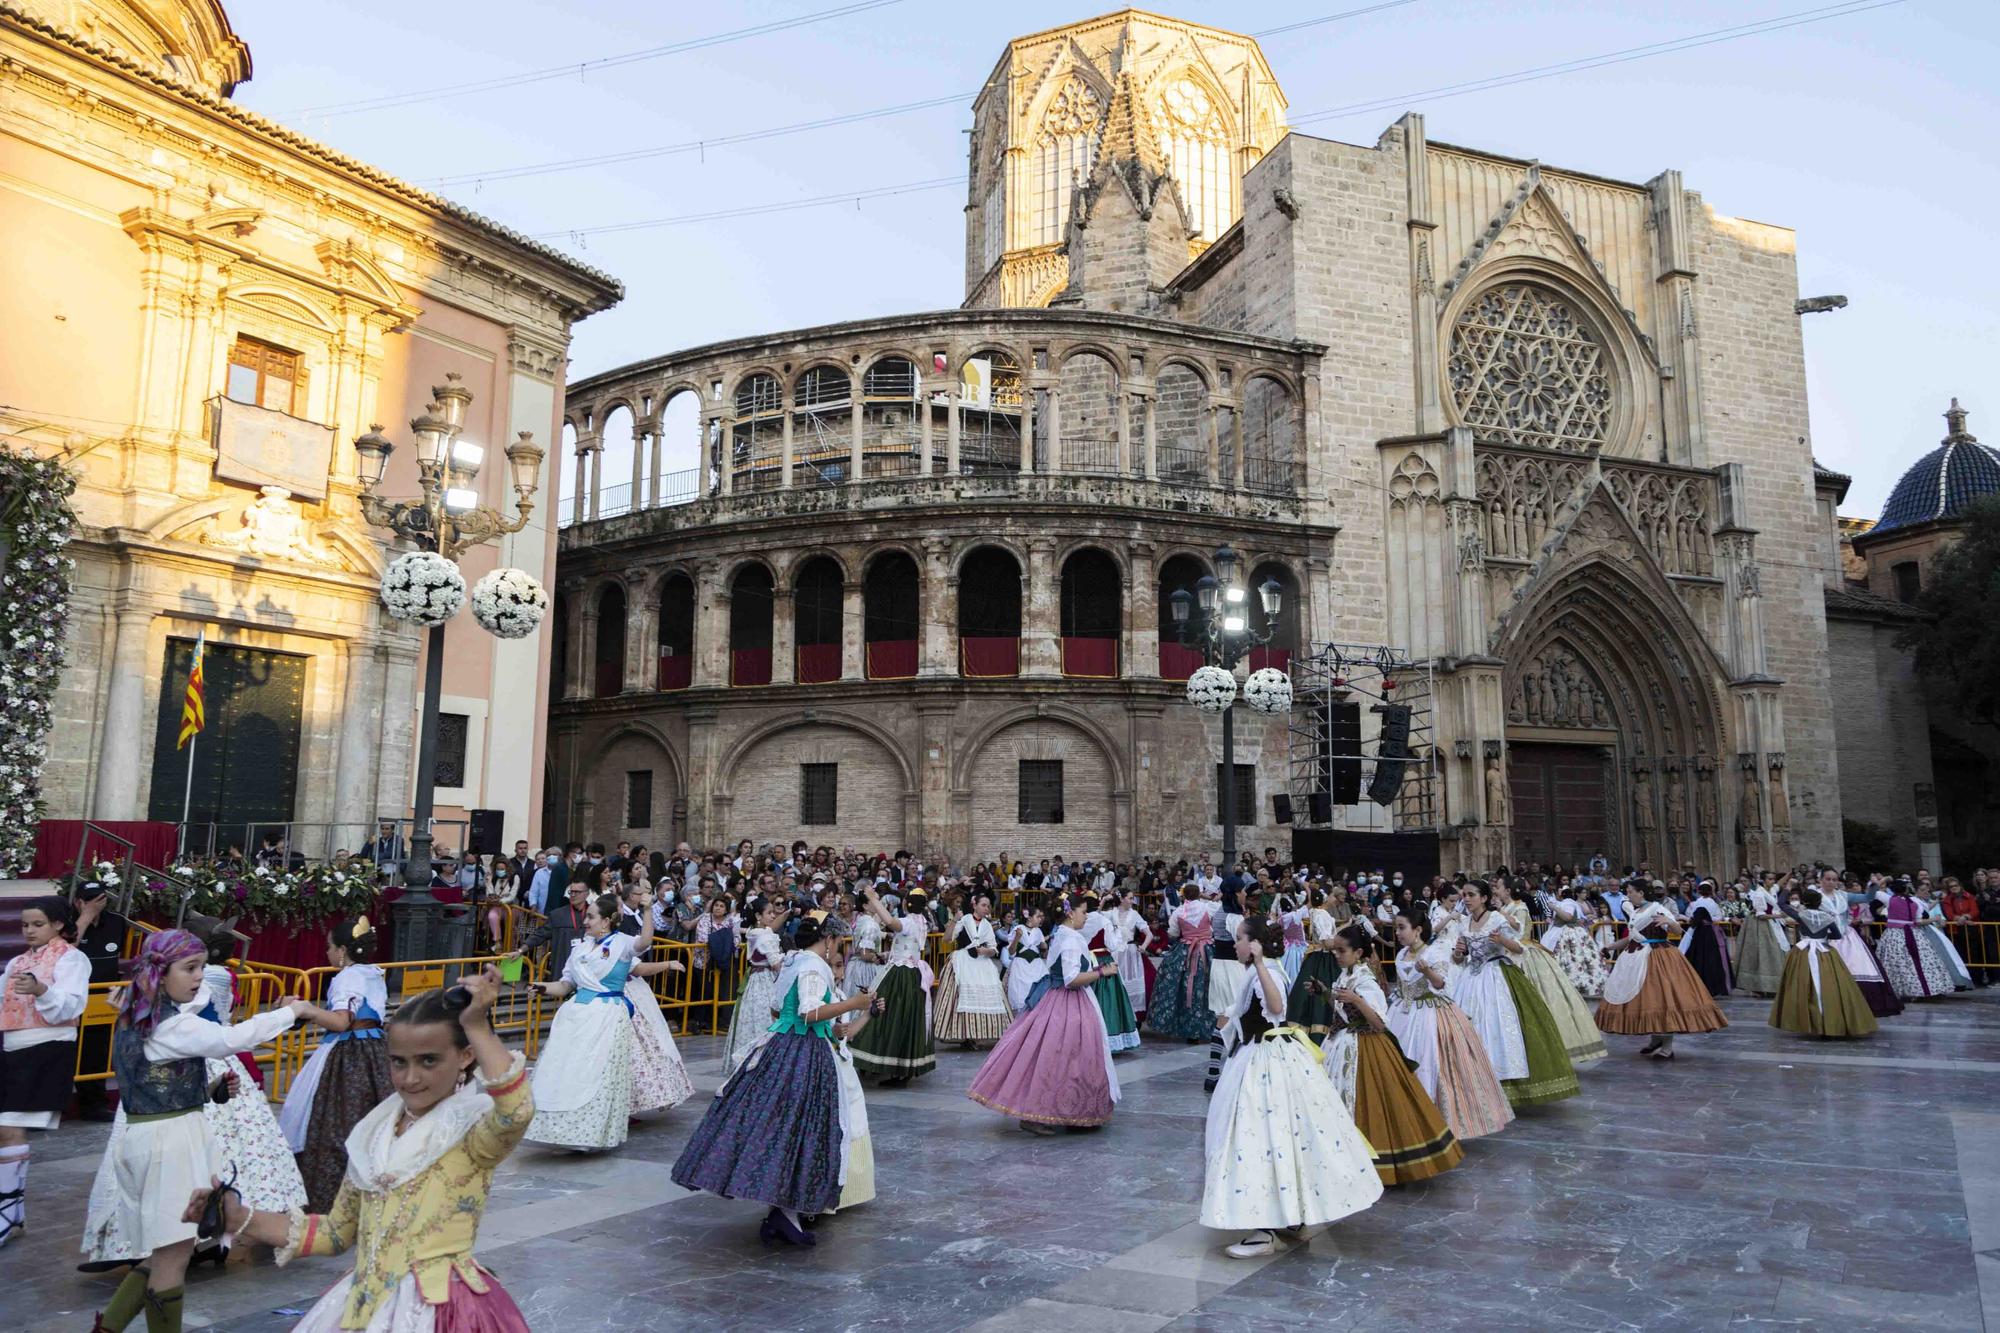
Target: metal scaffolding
1373, 676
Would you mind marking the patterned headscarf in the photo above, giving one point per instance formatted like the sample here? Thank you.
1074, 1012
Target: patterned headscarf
144, 1006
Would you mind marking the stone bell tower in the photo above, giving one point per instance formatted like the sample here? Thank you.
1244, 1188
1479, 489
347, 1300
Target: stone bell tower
1107, 154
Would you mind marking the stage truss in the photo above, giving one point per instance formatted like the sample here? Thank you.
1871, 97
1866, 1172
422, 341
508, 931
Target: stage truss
1373, 675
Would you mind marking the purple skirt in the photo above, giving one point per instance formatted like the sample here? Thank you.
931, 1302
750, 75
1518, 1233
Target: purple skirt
1050, 1067
773, 1133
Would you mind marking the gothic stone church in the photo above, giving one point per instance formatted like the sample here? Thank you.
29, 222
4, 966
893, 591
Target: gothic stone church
908, 584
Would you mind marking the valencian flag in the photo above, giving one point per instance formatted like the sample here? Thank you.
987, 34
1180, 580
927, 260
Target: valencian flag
193, 715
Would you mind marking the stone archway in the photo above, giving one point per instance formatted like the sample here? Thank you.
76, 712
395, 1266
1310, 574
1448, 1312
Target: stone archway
1614, 724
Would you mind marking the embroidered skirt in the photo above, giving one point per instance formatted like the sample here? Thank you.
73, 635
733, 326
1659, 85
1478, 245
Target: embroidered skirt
1121, 1024
1312, 1012
772, 1134
1833, 1008
1452, 1064
1551, 1077
1280, 1148
1761, 953
1408, 1139
754, 1013
896, 1043
405, 1311
1178, 1004
971, 1002
353, 1081
1582, 1042
1672, 1000
1053, 1067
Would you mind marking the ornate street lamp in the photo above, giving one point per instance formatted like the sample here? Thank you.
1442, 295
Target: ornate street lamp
445, 521
1212, 621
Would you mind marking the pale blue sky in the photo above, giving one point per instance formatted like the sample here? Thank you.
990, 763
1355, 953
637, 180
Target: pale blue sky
1873, 135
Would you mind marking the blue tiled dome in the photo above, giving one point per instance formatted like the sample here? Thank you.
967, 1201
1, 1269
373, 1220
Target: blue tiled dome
1945, 480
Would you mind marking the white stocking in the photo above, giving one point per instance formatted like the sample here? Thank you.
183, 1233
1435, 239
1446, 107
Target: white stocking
13, 1189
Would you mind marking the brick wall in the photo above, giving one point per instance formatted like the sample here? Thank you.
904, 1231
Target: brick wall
1087, 784
766, 781
607, 781
1753, 386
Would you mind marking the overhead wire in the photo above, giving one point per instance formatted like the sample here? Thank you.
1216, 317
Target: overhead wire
1711, 37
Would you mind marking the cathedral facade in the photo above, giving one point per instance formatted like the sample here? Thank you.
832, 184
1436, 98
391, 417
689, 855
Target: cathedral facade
1543, 431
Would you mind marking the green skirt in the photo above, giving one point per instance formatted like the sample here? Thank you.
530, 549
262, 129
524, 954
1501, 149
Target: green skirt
1551, 1077
1312, 1012
896, 1043
1121, 1024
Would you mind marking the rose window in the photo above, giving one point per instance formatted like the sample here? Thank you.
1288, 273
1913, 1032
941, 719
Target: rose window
1525, 369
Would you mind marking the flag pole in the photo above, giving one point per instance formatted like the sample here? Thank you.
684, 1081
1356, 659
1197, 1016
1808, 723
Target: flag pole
187, 796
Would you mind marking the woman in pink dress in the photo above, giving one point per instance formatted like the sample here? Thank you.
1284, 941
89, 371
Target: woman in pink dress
1053, 1066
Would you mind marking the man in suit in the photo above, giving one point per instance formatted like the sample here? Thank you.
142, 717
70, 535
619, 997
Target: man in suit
563, 926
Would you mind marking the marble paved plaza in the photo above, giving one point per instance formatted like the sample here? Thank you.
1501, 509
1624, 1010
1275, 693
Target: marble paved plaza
1760, 1181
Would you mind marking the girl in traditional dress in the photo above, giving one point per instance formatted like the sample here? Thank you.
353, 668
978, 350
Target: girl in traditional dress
1762, 949
1506, 1010
1817, 996
242, 1125
971, 998
1703, 944
1910, 959
777, 1130
419, 1170
1407, 1137
1855, 950
1311, 1007
1121, 1024
159, 1050
864, 955
42, 993
1030, 963
1582, 1042
1571, 944
758, 1003
1280, 1150
896, 1047
1452, 1064
1652, 990
857, 1147
1053, 1067
1127, 936
1179, 1000
348, 1076
1293, 919
1934, 917
583, 1079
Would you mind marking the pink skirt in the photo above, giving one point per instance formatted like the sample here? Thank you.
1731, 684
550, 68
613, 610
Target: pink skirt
1051, 1065
463, 1311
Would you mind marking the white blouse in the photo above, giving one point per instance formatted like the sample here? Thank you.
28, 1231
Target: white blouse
59, 1006
185, 1034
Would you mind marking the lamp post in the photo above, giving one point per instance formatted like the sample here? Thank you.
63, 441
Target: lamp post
1214, 621
446, 518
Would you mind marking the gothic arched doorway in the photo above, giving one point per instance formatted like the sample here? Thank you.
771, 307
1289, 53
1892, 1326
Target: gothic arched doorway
1615, 727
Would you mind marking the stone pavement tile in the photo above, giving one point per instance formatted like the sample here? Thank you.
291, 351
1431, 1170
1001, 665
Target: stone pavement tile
1988, 1267
1839, 1304
1041, 1315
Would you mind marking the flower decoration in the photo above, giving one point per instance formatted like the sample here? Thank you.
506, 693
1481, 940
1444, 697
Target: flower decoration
423, 588
509, 603
1211, 689
36, 523
1268, 690
261, 897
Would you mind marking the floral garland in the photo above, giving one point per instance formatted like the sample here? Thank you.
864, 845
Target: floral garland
36, 522
259, 896
423, 588
509, 603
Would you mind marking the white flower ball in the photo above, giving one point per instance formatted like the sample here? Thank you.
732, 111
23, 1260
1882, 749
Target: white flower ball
509, 603
1211, 689
1268, 690
423, 588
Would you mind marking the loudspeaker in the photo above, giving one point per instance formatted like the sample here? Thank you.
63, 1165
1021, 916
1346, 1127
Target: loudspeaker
1340, 754
1319, 807
486, 828
1390, 753
1281, 809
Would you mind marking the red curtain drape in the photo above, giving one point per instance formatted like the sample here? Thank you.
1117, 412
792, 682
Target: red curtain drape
989, 656
1178, 662
818, 663
1093, 658
59, 841
750, 666
892, 659
1281, 658
676, 673
610, 679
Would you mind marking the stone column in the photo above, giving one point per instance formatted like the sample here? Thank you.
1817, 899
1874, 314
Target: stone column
360, 723
117, 794
1236, 442
634, 501
588, 626
784, 636
653, 463
937, 610
1214, 442
711, 628
642, 635
582, 484
702, 743
576, 669
397, 743
1142, 615
855, 458
785, 442
934, 832
1152, 438
954, 432
1056, 459
725, 454
1027, 427
1041, 611
923, 411
853, 632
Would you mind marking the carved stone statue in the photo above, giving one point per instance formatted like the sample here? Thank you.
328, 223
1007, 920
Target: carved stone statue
1704, 799
1750, 819
272, 528
1549, 708
1532, 695
1642, 801
1676, 802
1496, 792
1781, 806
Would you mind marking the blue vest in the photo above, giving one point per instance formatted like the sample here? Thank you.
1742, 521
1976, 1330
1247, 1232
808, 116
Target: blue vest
156, 1087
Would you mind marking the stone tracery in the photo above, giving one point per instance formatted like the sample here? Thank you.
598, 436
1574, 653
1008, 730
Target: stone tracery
1526, 369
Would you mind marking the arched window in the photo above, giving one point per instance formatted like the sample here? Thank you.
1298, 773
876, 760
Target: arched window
1179, 574
1271, 459
989, 413
755, 449
1527, 369
750, 626
890, 625
1088, 414
620, 444
816, 599
1180, 425
680, 449
1093, 616
823, 427
609, 664
676, 632
1285, 633
891, 430
989, 613
1189, 125
1065, 151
